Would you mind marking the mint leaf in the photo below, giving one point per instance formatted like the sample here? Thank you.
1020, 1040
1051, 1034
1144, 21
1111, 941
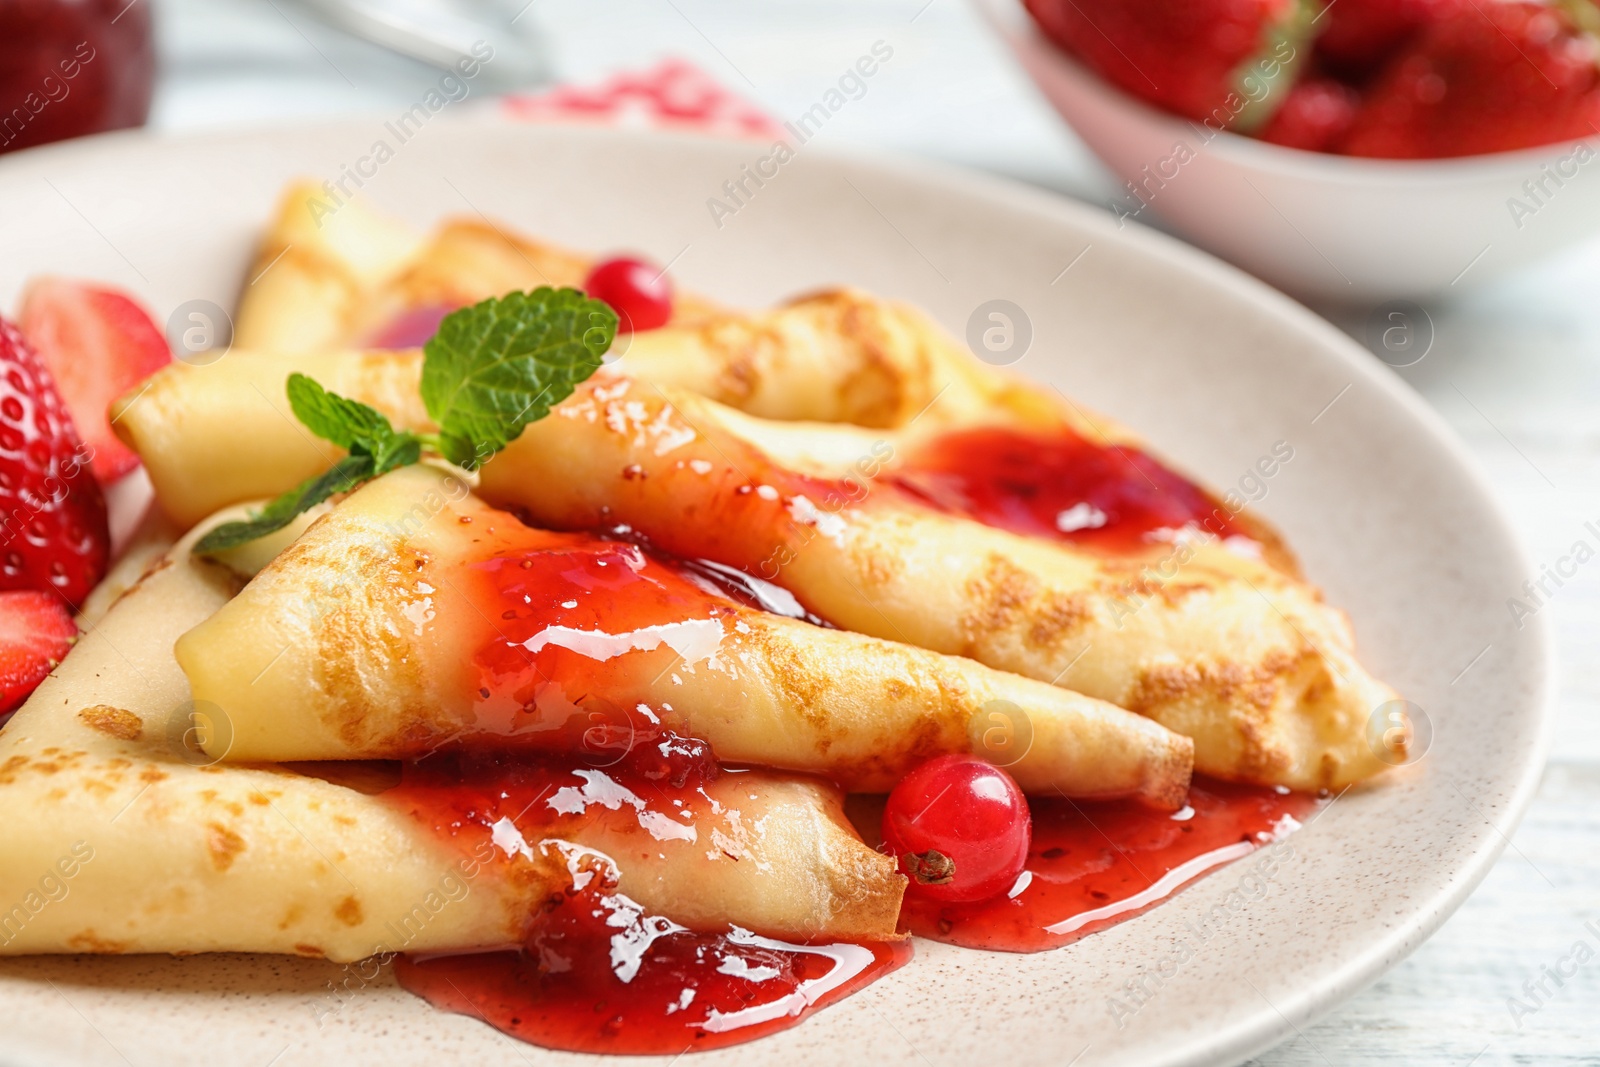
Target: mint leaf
352, 425
496, 366
375, 447
345, 475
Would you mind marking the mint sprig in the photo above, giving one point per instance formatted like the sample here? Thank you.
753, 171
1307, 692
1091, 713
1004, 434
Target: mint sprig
352, 425
489, 374
489, 371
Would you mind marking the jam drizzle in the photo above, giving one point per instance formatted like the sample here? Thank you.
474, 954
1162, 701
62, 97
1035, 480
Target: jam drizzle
1060, 486
596, 971
599, 974
579, 629
1094, 864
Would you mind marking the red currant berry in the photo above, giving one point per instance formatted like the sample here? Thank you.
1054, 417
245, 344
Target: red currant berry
960, 828
638, 292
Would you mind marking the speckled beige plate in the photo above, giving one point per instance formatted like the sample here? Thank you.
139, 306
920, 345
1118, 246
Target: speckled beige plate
1214, 367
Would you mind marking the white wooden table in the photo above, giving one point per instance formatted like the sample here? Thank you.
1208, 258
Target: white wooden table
1514, 368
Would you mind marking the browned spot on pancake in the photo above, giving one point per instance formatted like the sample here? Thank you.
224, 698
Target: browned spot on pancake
295, 913
223, 844
348, 911
260, 799
374, 576
739, 349
8, 769
1141, 587
89, 941
1057, 618
313, 951
801, 686
1231, 709
152, 775
999, 595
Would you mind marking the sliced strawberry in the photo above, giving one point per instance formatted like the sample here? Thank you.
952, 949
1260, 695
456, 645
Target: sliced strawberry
1356, 36
53, 534
98, 344
1493, 78
1204, 59
35, 632
1315, 116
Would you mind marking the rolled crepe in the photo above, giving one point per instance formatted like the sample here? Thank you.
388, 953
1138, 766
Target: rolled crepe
415, 616
134, 840
220, 434
1217, 646
331, 273
840, 355
319, 270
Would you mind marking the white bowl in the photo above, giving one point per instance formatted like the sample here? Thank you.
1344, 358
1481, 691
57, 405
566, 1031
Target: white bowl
1321, 226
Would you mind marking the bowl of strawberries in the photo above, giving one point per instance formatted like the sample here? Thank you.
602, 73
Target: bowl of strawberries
1353, 151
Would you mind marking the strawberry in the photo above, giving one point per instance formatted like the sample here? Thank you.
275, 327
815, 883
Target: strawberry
53, 534
99, 344
1492, 78
35, 632
1194, 57
1355, 36
1315, 116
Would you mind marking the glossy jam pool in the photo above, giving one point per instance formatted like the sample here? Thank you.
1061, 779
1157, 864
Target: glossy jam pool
1097, 863
1061, 486
596, 972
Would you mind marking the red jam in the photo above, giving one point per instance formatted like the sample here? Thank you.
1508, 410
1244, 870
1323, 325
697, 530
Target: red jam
599, 975
462, 796
580, 626
412, 328
1061, 486
1095, 863
597, 972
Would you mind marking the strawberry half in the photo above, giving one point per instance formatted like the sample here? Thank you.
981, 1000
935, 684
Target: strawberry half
1492, 78
35, 632
53, 534
98, 343
1204, 59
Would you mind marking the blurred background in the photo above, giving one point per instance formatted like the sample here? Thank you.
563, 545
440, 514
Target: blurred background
1510, 357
